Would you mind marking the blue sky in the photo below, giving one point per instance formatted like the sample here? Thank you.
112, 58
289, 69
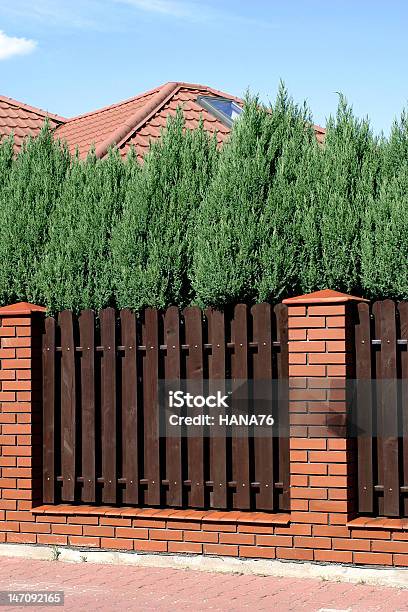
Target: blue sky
71, 56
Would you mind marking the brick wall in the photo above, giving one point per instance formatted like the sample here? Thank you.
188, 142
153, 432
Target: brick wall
322, 525
322, 457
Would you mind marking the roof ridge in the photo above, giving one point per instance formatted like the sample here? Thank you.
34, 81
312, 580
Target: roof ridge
116, 104
123, 132
32, 109
182, 84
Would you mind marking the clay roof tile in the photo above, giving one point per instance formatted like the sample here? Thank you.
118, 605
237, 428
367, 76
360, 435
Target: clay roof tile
23, 120
133, 122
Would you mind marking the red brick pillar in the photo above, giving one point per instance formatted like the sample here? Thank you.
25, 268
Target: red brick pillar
20, 412
322, 460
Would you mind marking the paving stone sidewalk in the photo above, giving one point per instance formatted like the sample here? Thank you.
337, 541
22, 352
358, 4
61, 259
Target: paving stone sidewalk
93, 587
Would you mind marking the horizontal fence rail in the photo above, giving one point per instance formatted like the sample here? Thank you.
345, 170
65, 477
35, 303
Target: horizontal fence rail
381, 338
100, 419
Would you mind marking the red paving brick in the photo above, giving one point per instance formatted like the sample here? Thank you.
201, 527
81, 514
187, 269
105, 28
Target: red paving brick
94, 587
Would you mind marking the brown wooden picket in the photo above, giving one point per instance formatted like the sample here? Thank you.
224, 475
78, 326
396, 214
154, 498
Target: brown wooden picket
218, 443
108, 406
150, 419
403, 316
68, 405
264, 456
194, 372
101, 432
364, 403
240, 443
130, 424
173, 441
87, 341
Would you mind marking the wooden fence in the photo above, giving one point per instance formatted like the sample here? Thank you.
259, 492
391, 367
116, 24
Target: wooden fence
381, 338
100, 434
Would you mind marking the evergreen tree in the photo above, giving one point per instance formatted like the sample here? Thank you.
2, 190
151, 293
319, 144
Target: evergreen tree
277, 227
339, 180
26, 202
309, 271
77, 268
395, 148
226, 254
150, 245
384, 236
270, 214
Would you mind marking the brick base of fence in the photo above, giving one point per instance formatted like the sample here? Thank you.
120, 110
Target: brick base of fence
322, 524
208, 533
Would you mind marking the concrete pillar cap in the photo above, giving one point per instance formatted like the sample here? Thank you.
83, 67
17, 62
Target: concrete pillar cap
325, 296
21, 308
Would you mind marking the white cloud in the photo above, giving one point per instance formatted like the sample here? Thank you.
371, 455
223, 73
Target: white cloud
11, 45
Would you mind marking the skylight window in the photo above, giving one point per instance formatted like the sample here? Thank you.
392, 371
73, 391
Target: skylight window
225, 110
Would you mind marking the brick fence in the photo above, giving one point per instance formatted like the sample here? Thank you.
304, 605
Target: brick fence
322, 524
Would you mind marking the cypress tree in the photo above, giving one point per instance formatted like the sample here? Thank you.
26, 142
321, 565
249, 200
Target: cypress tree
307, 218
77, 269
151, 242
339, 180
226, 254
384, 240
277, 227
27, 201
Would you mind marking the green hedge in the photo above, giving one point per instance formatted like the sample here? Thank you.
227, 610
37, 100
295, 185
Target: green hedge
270, 214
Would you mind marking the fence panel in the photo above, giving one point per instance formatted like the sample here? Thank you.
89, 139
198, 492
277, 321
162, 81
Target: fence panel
100, 417
381, 355
282, 358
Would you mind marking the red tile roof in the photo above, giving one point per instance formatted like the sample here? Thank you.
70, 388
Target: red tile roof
23, 120
132, 122
140, 119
